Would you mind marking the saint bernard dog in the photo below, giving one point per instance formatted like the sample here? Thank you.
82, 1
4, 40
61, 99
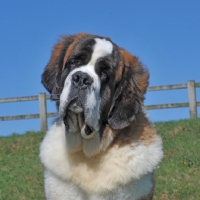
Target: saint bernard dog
102, 146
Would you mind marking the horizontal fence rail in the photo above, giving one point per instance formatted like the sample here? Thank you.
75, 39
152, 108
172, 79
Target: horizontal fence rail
43, 115
31, 116
171, 87
18, 99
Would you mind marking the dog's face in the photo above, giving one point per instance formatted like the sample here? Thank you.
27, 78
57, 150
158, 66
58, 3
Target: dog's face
98, 88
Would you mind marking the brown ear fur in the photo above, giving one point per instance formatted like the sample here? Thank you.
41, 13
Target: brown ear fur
51, 76
52, 69
129, 95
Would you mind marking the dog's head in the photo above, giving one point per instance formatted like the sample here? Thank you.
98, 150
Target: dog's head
98, 88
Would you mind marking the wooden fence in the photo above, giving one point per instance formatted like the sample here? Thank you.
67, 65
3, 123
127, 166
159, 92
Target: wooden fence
43, 115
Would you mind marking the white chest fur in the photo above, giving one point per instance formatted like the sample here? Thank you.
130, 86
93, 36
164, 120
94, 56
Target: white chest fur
58, 189
120, 173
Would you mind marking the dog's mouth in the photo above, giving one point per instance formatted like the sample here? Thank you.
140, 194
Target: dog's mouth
77, 107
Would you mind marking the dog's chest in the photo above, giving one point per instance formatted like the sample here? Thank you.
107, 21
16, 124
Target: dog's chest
56, 188
118, 173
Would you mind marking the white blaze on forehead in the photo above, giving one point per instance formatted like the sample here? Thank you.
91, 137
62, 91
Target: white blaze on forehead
102, 48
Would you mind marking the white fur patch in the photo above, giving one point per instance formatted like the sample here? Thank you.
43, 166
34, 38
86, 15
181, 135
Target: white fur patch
64, 95
106, 172
101, 48
56, 188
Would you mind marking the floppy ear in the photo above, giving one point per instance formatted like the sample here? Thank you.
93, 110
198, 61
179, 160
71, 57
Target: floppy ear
129, 95
52, 71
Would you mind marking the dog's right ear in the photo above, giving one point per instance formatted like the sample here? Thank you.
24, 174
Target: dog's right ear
52, 71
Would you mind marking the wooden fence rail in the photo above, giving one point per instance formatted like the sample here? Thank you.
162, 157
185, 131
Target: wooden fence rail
43, 115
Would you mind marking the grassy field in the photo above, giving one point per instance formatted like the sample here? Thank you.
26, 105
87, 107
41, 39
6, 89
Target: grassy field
177, 178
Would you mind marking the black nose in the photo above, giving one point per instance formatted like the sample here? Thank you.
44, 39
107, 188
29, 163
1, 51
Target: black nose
81, 80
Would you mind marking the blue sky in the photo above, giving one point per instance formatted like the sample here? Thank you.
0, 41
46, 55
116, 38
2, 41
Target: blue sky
165, 35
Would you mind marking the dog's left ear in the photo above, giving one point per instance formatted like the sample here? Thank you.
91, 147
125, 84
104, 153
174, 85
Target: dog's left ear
129, 95
52, 72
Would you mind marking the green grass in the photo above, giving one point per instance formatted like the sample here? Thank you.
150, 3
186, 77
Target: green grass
21, 174
177, 178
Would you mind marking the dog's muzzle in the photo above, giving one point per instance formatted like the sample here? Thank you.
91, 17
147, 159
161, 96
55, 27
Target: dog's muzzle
76, 101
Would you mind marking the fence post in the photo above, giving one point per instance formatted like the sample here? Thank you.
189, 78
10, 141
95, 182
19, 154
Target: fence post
192, 99
43, 111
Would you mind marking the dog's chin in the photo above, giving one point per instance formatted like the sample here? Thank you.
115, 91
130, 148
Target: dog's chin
76, 106
86, 130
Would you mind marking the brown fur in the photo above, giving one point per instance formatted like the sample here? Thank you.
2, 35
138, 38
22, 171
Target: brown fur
130, 60
140, 130
119, 71
56, 52
70, 50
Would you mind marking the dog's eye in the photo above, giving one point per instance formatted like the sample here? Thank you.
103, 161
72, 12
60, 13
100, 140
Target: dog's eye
103, 75
74, 63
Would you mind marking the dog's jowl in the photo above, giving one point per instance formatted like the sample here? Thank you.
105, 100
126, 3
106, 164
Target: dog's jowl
102, 146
